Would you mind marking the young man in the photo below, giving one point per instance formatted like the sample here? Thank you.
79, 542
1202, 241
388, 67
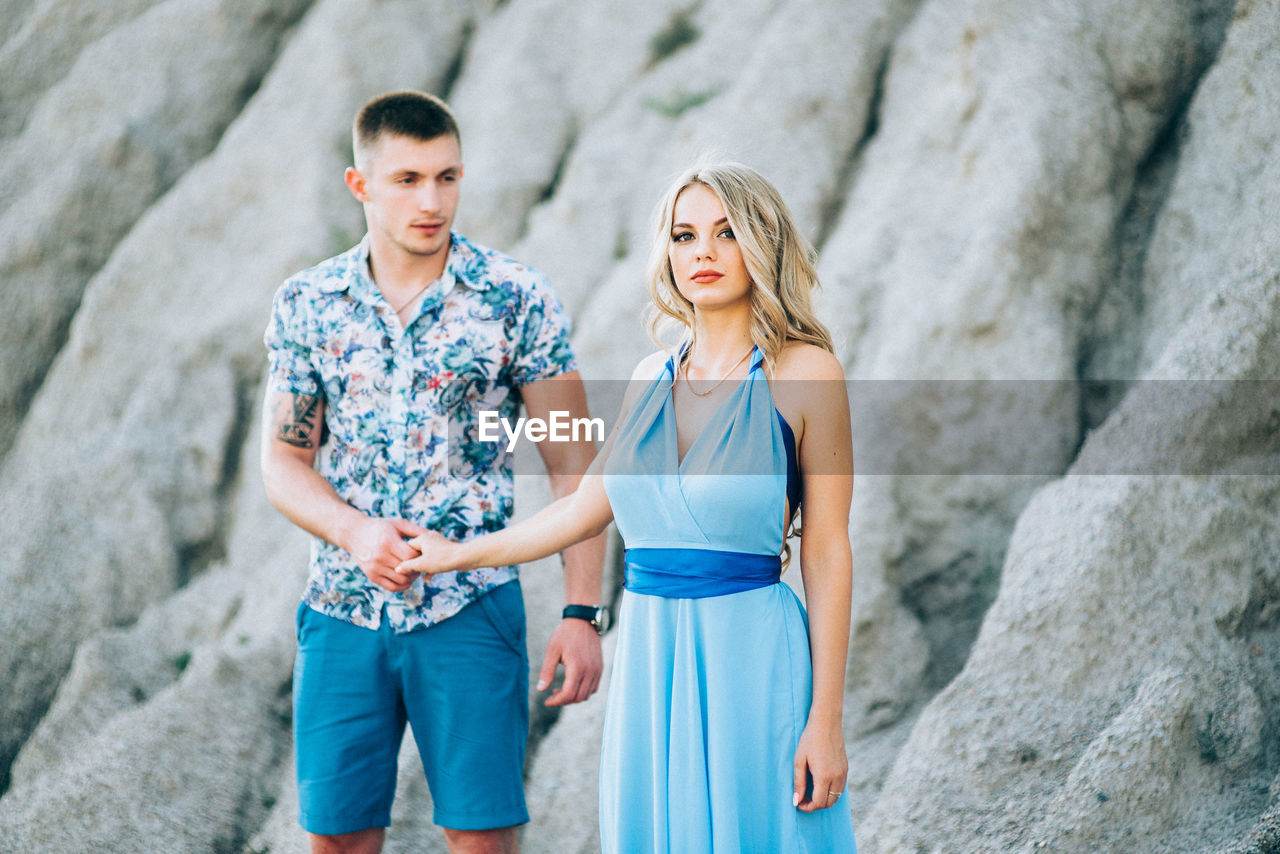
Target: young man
380, 361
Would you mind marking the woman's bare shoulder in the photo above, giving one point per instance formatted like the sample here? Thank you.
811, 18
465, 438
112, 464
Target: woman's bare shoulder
650, 366
801, 360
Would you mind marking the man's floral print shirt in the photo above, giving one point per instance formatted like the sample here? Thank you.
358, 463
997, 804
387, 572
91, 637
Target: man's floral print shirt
401, 409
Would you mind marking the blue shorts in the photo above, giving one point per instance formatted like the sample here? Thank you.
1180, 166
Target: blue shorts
462, 684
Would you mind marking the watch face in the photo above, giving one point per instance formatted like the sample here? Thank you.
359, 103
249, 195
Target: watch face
598, 615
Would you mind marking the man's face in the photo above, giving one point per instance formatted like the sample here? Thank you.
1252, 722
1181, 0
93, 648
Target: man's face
409, 188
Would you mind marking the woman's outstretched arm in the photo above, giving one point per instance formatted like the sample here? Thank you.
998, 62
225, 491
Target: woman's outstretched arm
577, 516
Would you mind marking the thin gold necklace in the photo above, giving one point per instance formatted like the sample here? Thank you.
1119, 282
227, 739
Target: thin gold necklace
728, 374
409, 301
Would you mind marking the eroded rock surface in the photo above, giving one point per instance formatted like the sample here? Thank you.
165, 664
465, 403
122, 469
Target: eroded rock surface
103, 143
1123, 687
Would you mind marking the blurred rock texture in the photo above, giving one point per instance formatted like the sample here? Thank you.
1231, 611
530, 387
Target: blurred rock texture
1065, 641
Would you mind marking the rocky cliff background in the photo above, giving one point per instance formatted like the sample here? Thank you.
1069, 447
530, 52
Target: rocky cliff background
1067, 593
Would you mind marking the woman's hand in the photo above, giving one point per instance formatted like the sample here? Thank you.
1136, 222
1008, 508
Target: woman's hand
436, 554
820, 756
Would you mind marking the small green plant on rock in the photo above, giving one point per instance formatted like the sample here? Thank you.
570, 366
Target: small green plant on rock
679, 102
679, 32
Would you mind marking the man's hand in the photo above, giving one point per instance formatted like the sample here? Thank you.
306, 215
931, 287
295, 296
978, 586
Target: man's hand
379, 546
575, 644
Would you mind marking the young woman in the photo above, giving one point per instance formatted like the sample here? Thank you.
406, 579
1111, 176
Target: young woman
723, 724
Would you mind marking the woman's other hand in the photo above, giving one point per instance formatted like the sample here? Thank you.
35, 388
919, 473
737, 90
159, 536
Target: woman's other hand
820, 757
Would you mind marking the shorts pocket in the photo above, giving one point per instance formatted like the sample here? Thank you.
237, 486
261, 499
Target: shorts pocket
504, 607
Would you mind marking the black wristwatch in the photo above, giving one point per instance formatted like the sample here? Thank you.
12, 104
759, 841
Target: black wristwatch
597, 615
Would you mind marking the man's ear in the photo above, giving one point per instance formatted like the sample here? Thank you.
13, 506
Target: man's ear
356, 183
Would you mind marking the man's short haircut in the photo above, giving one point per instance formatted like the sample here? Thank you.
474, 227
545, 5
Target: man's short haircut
416, 115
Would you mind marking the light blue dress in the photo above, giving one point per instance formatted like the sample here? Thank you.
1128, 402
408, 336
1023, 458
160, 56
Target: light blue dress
712, 679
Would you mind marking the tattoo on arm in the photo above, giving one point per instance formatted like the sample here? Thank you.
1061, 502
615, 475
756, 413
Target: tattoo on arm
297, 426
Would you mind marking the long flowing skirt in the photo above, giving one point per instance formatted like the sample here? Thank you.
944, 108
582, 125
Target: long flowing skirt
707, 702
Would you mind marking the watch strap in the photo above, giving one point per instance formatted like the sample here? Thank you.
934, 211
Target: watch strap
593, 614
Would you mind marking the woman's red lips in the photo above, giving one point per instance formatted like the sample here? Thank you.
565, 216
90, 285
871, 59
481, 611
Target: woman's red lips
704, 277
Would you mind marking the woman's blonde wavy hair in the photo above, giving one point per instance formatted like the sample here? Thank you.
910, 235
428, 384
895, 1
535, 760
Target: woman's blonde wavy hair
778, 258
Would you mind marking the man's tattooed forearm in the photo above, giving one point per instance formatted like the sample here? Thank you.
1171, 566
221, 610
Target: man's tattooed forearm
298, 427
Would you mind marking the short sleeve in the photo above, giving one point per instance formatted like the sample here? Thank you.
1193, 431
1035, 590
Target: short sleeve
289, 366
543, 349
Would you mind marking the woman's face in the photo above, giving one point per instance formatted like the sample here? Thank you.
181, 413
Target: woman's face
705, 258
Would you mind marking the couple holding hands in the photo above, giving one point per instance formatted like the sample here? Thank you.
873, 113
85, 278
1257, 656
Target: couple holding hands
723, 718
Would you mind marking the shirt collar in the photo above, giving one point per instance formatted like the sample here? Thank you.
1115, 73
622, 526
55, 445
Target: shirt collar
466, 264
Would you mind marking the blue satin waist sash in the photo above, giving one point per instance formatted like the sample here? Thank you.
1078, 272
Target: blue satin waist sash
698, 573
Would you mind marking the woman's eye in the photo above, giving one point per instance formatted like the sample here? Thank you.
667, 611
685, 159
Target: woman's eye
728, 232
682, 237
